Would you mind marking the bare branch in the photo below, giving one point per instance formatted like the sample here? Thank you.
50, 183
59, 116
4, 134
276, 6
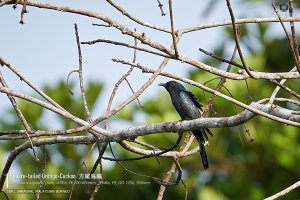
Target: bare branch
124, 12
50, 107
284, 192
19, 114
148, 70
162, 48
3, 2
219, 86
30, 84
172, 29
280, 85
294, 38
288, 37
126, 45
237, 21
80, 72
231, 62
160, 5
68, 78
186, 145
237, 42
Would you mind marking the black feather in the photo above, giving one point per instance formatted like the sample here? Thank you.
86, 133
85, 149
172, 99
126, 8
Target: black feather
195, 100
187, 105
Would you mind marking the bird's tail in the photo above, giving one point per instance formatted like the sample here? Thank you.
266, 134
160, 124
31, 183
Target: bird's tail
203, 156
199, 135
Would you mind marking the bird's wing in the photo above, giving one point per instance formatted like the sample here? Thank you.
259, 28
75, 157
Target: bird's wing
187, 108
195, 100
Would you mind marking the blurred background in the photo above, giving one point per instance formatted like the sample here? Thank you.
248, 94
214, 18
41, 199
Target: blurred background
44, 50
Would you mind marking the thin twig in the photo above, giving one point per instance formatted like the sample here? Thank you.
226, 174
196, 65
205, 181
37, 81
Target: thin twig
135, 49
19, 114
280, 85
294, 38
101, 147
172, 29
183, 149
284, 192
231, 62
288, 37
281, 22
128, 83
157, 180
160, 5
102, 25
4, 193
68, 78
237, 42
80, 73
219, 86
101, 150
23, 11
237, 21
38, 193
154, 154
295, 94
29, 83
108, 108
82, 164
169, 175
124, 12
126, 45
144, 144
292, 92
134, 60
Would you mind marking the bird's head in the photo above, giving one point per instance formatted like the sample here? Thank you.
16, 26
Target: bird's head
172, 86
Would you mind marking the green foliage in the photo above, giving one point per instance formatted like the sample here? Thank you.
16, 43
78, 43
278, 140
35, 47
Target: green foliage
61, 95
61, 158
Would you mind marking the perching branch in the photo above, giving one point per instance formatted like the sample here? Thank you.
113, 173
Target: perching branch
131, 132
182, 126
225, 97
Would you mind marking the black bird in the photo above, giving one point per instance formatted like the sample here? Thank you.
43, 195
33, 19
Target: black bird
187, 105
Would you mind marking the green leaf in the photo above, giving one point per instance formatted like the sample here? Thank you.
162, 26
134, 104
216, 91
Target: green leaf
92, 93
126, 114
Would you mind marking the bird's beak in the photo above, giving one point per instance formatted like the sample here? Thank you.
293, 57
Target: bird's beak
162, 84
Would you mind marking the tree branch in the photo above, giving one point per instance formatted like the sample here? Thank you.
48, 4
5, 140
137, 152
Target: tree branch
284, 192
191, 82
160, 47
